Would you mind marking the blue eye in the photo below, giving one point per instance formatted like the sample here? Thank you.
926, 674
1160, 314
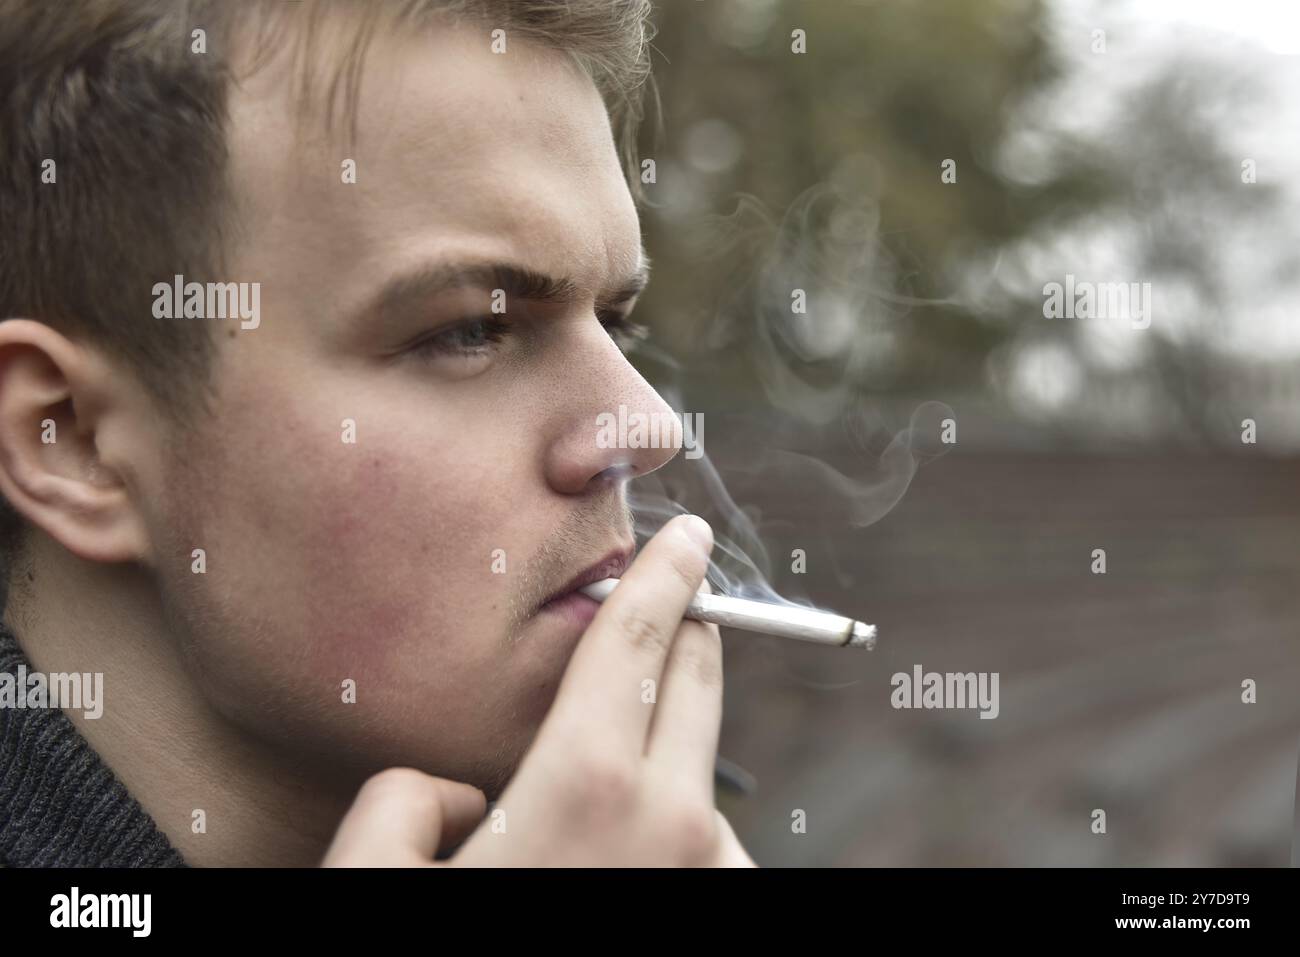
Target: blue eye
476, 338
472, 338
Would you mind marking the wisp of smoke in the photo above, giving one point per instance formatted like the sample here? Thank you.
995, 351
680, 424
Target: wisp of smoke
812, 300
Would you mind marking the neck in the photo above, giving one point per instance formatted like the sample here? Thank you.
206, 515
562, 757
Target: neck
174, 753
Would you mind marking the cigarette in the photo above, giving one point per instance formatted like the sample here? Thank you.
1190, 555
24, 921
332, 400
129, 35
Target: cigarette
783, 621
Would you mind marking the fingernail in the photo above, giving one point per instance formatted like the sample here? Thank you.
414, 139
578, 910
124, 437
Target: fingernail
698, 531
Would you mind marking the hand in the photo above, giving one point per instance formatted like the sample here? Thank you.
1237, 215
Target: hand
610, 780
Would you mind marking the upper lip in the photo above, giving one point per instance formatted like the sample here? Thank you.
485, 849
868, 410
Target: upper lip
611, 566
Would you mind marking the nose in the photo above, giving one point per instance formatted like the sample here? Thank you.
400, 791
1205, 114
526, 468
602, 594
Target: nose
616, 426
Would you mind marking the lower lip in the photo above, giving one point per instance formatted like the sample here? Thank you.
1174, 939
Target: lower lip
575, 607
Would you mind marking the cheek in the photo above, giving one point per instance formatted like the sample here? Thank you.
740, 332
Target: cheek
369, 536
369, 560
381, 544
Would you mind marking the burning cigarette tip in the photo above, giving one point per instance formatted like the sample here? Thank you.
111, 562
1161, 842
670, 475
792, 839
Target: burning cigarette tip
864, 636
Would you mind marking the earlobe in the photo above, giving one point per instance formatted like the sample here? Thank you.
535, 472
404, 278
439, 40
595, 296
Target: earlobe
54, 469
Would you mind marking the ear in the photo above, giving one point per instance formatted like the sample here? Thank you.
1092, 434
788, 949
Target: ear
68, 424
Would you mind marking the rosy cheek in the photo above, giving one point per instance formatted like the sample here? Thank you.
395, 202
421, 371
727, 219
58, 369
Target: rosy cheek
358, 555
368, 547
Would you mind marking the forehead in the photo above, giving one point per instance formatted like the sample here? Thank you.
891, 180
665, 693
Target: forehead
457, 149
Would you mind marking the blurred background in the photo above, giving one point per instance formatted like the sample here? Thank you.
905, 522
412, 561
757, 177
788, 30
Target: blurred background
853, 244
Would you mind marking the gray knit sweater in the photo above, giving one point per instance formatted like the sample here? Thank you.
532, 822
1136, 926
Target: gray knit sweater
60, 805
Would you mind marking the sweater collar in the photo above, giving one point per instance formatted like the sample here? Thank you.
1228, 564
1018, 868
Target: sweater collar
60, 804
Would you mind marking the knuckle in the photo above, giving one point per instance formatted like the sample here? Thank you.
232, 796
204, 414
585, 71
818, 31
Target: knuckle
700, 655
692, 829
645, 634
603, 783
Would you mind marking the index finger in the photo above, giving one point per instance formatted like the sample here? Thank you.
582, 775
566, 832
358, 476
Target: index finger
602, 692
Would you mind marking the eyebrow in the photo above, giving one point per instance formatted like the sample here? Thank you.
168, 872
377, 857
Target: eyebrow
411, 289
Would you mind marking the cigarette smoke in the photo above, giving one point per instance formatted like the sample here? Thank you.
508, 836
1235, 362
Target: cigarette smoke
814, 368
741, 564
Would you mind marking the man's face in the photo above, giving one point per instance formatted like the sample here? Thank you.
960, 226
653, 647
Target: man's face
412, 559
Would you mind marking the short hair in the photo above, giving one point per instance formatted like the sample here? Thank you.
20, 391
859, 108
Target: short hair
134, 121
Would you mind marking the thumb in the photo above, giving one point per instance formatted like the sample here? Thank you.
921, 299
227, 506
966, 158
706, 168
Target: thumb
401, 817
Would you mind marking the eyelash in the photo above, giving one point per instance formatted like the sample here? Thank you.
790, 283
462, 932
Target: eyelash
489, 331
624, 330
